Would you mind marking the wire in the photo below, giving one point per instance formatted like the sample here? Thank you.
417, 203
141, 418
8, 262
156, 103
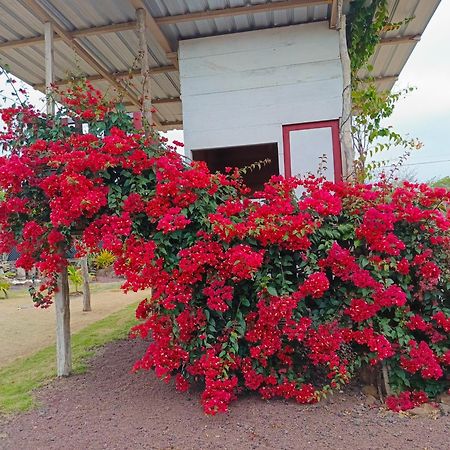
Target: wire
420, 163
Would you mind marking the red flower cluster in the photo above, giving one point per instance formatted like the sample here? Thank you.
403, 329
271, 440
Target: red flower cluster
423, 359
406, 400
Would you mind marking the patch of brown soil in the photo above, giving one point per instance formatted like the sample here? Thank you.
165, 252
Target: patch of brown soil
109, 407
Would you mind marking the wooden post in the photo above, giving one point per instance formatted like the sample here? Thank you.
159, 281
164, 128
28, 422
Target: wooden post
348, 154
62, 301
49, 66
137, 120
62, 306
86, 289
146, 103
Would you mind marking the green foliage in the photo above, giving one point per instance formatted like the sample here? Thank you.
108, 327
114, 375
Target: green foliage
103, 259
12, 91
4, 286
365, 23
75, 276
367, 20
443, 182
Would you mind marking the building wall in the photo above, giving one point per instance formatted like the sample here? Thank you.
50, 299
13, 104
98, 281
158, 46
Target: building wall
240, 89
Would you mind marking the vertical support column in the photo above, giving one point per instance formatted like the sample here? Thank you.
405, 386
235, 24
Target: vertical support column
146, 103
63, 346
334, 19
49, 66
86, 289
62, 305
137, 120
348, 154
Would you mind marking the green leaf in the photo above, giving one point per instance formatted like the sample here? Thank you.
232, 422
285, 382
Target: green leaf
272, 291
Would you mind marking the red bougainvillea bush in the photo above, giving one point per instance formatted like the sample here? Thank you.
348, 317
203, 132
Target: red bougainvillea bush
265, 292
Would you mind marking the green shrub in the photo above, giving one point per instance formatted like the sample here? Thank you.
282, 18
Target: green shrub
103, 259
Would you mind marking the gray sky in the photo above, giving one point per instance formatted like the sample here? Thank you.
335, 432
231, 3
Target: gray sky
425, 113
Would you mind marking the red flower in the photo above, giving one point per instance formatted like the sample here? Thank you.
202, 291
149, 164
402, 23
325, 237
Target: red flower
406, 400
359, 310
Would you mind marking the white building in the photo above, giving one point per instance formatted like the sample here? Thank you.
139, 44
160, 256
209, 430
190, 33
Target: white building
274, 93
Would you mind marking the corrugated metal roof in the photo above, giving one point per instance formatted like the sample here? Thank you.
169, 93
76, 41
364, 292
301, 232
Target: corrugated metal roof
118, 51
233, 24
389, 60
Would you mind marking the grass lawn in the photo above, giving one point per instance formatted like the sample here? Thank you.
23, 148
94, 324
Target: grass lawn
19, 379
25, 329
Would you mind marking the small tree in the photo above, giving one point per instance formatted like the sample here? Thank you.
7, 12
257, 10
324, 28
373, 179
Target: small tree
367, 20
371, 134
50, 176
75, 276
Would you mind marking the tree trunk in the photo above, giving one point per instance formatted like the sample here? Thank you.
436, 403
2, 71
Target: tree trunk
385, 372
62, 307
86, 289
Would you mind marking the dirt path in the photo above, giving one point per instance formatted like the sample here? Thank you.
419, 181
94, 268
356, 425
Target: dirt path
108, 407
25, 329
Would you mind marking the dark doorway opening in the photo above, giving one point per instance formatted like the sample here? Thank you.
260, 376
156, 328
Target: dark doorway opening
243, 156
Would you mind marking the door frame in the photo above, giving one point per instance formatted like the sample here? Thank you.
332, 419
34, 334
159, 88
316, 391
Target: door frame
337, 159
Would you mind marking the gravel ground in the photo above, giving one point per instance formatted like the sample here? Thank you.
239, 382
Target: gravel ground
110, 408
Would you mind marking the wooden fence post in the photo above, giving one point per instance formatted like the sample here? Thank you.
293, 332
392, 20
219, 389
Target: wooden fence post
86, 289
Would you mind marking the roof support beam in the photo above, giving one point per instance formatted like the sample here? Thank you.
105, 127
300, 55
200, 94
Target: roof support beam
117, 75
380, 79
42, 15
238, 10
131, 25
161, 101
411, 39
84, 32
171, 125
154, 29
389, 78
166, 101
